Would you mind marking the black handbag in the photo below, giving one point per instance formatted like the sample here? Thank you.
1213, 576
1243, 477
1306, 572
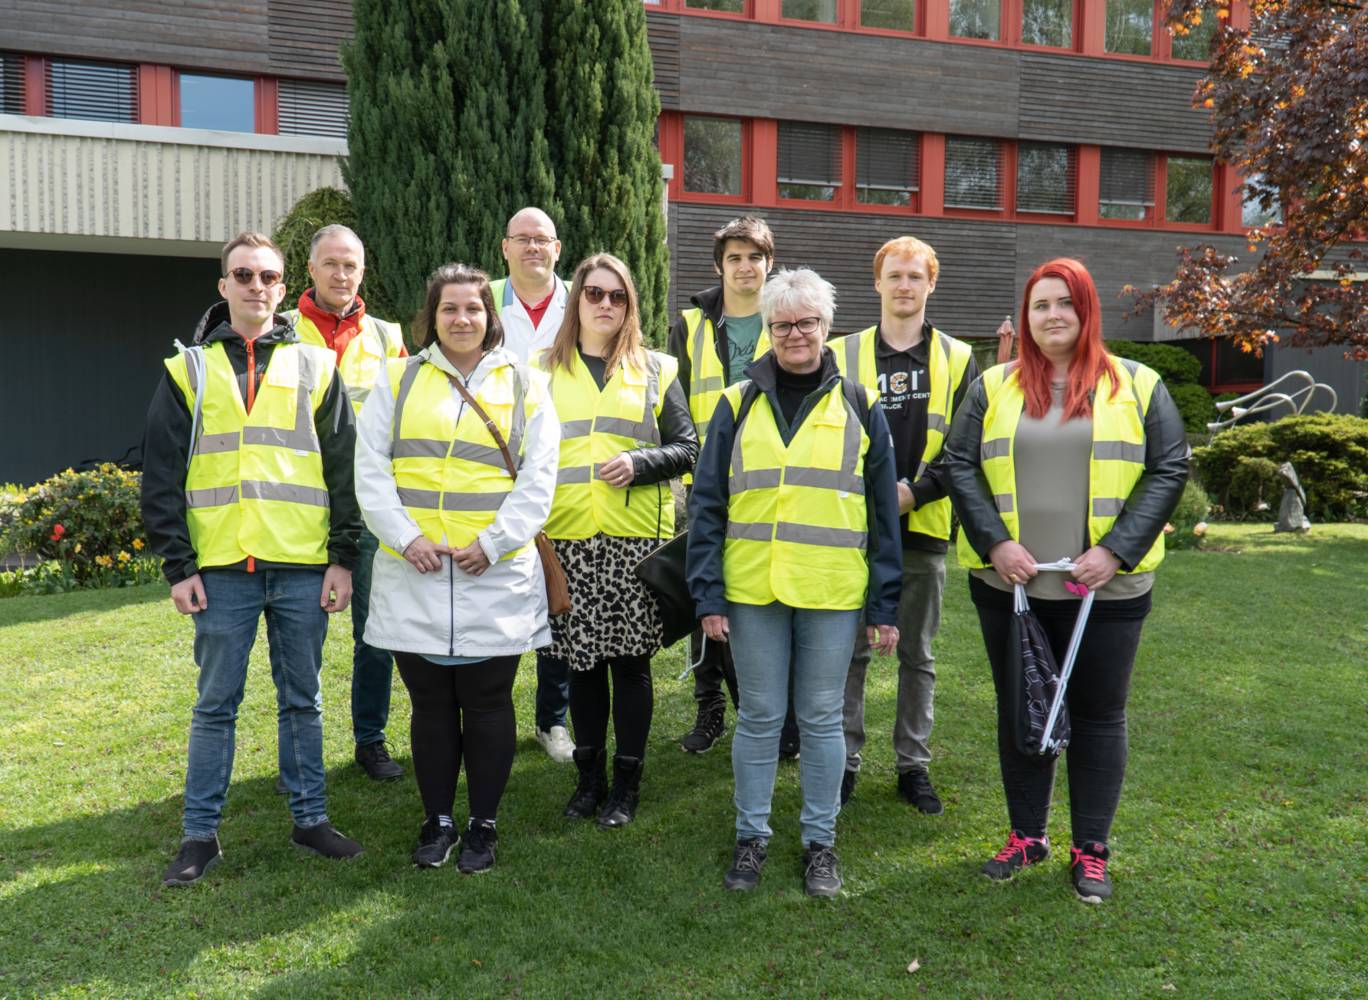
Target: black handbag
663, 574
1035, 676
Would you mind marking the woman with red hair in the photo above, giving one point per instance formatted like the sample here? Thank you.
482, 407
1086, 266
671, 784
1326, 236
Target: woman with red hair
1066, 453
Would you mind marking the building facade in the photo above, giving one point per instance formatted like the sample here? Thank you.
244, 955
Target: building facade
134, 142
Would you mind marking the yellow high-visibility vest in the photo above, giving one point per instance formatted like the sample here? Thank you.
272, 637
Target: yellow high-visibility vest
365, 355
451, 476
1116, 464
254, 485
595, 427
949, 359
796, 517
707, 369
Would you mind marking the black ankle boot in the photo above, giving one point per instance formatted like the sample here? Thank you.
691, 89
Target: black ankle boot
592, 787
622, 797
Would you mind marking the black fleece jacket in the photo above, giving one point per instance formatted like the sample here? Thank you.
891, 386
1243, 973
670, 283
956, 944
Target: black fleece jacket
166, 444
1149, 506
708, 502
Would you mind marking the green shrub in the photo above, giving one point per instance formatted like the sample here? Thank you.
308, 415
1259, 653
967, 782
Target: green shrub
89, 522
1192, 510
1328, 450
1174, 365
1195, 404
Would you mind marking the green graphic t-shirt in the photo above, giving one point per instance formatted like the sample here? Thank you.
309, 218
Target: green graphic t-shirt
743, 332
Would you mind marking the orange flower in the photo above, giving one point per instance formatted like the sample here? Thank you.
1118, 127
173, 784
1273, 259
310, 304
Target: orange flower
138, 544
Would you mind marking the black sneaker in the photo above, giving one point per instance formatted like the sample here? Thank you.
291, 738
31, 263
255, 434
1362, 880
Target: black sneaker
435, 844
477, 849
194, 858
1016, 854
747, 859
707, 729
280, 788
848, 780
327, 840
821, 875
915, 787
375, 760
1089, 871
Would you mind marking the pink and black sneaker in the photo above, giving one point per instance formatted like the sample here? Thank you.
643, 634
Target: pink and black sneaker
1088, 870
1015, 855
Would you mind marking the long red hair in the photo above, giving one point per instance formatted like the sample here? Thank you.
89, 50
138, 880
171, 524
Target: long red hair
1090, 358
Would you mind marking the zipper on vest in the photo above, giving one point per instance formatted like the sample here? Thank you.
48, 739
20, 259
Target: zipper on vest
451, 595
251, 398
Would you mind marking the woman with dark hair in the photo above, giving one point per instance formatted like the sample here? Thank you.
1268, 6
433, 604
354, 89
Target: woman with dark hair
625, 433
459, 593
1068, 453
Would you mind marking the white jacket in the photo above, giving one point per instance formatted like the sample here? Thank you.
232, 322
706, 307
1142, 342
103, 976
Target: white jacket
449, 612
520, 337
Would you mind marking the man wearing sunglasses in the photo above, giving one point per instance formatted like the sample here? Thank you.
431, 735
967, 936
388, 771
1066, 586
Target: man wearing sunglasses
531, 304
247, 495
332, 315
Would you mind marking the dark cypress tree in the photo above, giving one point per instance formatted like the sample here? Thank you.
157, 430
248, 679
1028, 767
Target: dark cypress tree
447, 136
601, 115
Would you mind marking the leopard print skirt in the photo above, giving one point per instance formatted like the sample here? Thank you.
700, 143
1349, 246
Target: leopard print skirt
612, 613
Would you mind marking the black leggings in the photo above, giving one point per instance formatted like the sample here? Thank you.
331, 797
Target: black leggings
1098, 687
632, 701
466, 709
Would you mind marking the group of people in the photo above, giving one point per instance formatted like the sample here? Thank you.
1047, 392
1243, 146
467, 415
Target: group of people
296, 462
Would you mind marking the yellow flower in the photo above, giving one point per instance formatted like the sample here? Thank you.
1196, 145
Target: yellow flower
124, 556
77, 548
104, 561
138, 544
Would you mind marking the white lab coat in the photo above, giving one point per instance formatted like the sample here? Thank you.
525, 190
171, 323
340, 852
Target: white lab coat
449, 612
519, 336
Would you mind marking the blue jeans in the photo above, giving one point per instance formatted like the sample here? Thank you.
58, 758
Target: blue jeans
225, 632
765, 640
372, 669
553, 691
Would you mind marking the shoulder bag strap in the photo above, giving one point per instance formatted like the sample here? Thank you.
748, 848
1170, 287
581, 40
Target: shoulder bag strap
489, 424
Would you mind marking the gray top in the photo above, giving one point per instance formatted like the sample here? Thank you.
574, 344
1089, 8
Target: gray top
1051, 460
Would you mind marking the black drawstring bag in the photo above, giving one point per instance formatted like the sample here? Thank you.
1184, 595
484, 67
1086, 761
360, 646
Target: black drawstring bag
1037, 681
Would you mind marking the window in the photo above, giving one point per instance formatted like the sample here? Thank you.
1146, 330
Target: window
1126, 184
1045, 178
810, 10
1130, 26
712, 155
11, 84
1188, 192
899, 15
728, 6
1252, 210
1196, 44
308, 108
809, 161
225, 103
973, 173
1047, 22
974, 18
97, 91
885, 166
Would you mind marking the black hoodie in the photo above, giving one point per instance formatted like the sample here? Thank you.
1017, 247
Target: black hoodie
710, 301
166, 443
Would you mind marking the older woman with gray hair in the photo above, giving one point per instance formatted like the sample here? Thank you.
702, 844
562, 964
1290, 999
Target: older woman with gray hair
793, 533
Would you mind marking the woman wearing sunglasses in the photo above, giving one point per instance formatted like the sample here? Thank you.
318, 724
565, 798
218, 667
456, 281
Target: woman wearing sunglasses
458, 592
625, 432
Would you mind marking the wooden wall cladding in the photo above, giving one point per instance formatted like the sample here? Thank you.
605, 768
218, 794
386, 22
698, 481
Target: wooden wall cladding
305, 36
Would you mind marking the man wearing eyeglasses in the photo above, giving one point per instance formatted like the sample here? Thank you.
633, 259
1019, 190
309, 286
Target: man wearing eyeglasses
332, 315
247, 495
531, 304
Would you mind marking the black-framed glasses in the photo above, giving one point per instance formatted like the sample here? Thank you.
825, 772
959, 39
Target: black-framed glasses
538, 242
595, 294
244, 275
808, 325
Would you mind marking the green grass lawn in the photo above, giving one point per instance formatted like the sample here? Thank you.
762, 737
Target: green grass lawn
1241, 858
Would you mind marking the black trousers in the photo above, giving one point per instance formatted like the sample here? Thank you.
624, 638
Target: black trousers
461, 713
715, 670
1098, 688
630, 703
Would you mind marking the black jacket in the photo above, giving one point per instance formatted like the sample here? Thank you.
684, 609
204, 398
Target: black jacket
1148, 508
678, 450
166, 443
710, 301
708, 501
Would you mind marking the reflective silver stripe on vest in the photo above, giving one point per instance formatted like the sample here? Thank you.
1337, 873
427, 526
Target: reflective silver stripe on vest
936, 422
1005, 503
807, 534
756, 479
824, 479
995, 448
357, 395
753, 531
713, 383
419, 448
216, 444
1122, 451
216, 496
255, 489
701, 385
436, 500
646, 429
573, 475
852, 356
1108, 506
401, 397
518, 419
299, 439
483, 454
576, 429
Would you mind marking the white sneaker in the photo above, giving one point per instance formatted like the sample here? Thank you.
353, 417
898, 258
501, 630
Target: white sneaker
557, 743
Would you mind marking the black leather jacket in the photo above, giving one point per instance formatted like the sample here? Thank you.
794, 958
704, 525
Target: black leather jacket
1147, 509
